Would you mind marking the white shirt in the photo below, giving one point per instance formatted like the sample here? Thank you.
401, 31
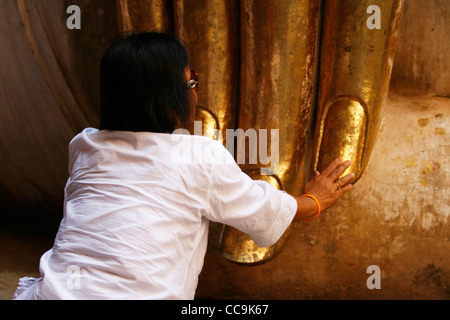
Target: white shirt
136, 214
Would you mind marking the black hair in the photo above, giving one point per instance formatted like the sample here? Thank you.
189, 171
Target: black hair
142, 87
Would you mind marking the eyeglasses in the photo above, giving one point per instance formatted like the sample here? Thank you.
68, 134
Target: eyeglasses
193, 83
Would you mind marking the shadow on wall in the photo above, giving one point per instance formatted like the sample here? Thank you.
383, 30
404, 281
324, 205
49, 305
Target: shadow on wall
50, 94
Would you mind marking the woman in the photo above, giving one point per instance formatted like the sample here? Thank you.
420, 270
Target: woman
136, 212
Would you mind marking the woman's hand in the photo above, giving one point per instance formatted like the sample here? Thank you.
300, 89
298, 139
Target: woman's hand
326, 187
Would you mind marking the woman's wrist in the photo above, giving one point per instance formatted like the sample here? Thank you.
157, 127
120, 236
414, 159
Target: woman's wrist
306, 208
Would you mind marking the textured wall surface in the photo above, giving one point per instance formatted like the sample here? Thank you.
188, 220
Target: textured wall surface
396, 217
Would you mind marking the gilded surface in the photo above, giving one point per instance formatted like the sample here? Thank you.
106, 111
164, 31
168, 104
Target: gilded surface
209, 30
278, 61
257, 61
356, 64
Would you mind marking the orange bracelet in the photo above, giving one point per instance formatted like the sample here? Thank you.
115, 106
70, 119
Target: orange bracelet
318, 206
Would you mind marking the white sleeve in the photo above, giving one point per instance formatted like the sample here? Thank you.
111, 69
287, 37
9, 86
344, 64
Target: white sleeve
251, 206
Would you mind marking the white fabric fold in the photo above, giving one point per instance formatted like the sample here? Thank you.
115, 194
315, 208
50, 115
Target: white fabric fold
136, 214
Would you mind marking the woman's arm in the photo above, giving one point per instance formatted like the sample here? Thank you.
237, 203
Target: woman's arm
326, 187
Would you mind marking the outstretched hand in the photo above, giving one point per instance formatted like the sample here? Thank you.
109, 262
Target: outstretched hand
326, 187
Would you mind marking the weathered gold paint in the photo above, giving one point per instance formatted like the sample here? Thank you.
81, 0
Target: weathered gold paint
271, 61
145, 15
353, 113
209, 30
356, 64
278, 67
